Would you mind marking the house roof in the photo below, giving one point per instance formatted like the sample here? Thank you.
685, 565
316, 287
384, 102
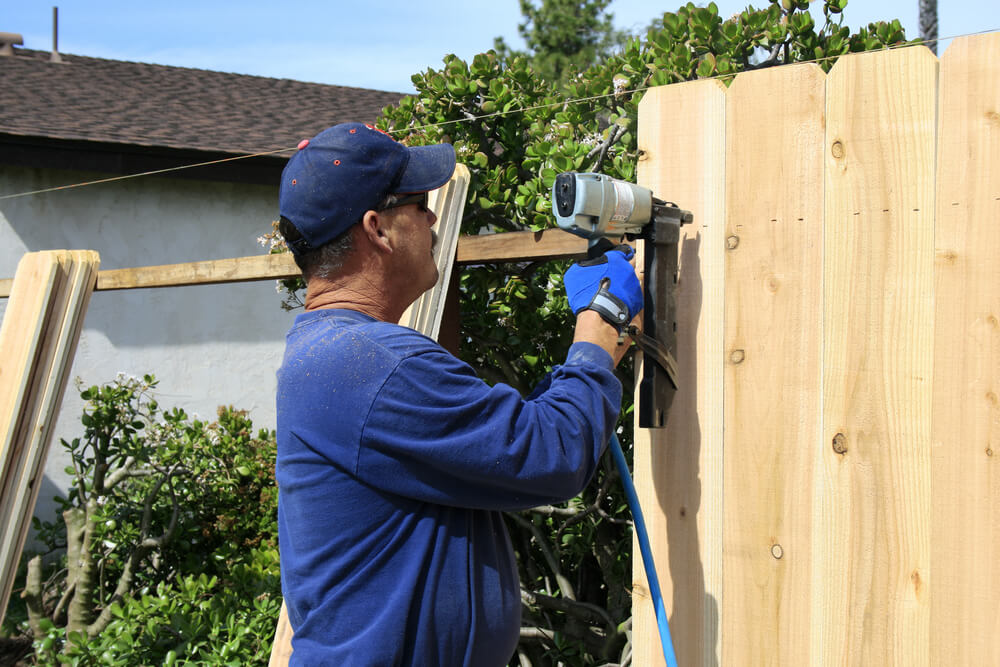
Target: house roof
114, 102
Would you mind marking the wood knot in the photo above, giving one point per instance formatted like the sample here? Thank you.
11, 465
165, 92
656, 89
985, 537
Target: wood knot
840, 443
777, 551
772, 283
737, 356
837, 149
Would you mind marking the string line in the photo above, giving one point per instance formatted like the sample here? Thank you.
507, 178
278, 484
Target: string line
470, 119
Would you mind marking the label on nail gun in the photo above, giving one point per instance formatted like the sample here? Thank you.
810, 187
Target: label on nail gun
624, 202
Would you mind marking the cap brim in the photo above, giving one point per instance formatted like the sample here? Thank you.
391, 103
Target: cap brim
428, 168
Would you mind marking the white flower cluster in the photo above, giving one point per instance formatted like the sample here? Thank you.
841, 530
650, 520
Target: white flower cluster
620, 83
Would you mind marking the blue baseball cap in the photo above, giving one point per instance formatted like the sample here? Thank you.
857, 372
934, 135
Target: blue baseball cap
348, 169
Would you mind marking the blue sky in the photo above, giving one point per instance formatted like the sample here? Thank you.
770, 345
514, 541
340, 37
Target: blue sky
375, 44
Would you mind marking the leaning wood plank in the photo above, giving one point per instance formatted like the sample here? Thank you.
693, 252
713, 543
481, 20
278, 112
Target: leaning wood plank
484, 249
965, 588
281, 649
773, 371
20, 336
78, 271
871, 504
678, 469
448, 203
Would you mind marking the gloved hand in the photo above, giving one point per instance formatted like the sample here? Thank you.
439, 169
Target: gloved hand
606, 284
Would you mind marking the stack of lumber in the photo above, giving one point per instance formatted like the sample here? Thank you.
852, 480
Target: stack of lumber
40, 330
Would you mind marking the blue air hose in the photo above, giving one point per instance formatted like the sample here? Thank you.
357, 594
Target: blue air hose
647, 553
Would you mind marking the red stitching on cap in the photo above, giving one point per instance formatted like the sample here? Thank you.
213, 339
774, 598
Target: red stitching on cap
337, 162
294, 182
354, 131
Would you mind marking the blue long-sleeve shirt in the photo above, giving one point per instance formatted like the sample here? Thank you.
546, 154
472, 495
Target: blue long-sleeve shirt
394, 462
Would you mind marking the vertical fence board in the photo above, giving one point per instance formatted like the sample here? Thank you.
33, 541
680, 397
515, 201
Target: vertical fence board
678, 469
773, 333
965, 589
871, 545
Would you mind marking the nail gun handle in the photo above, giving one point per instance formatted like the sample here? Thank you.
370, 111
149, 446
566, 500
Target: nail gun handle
659, 374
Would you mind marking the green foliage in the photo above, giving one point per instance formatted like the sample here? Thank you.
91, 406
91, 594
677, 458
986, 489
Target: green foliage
168, 545
192, 620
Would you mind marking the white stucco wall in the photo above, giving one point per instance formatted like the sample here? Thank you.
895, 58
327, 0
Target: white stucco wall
208, 345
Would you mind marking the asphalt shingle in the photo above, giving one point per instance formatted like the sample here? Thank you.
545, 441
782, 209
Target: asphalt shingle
138, 104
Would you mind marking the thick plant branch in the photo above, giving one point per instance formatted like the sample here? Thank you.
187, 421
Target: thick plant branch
551, 510
80, 609
124, 472
32, 596
146, 541
601, 150
59, 613
772, 59
537, 633
589, 613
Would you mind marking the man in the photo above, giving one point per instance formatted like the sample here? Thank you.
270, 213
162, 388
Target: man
394, 459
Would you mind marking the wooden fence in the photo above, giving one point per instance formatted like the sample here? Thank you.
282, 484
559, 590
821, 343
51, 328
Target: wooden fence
827, 489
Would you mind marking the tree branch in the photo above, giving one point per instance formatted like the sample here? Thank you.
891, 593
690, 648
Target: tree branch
585, 611
602, 150
565, 587
32, 596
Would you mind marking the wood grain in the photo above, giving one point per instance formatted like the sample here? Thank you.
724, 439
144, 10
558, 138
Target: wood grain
775, 122
871, 504
678, 469
30, 432
965, 584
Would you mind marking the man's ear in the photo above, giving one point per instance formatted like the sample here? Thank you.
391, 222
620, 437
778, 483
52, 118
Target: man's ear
375, 225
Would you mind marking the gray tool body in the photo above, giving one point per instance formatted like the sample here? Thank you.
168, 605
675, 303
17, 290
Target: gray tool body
597, 207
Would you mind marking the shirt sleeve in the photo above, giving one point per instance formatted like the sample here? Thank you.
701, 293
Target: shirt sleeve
438, 433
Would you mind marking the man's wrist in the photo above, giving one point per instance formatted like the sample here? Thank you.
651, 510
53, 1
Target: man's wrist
592, 328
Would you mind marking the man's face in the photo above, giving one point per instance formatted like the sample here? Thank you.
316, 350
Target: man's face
414, 240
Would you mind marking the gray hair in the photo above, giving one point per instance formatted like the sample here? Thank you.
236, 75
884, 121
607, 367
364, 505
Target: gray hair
326, 260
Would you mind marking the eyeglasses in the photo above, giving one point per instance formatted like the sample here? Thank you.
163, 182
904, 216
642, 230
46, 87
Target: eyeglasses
420, 199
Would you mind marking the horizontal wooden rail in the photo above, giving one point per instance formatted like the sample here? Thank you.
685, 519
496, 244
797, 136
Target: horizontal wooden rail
485, 249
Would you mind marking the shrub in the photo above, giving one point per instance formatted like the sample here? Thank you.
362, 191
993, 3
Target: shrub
167, 548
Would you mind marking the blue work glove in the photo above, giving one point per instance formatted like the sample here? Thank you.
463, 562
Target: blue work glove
606, 284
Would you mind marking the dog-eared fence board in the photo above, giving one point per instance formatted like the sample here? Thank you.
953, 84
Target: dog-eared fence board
872, 501
775, 121
965, 447
678, 469
875, 462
